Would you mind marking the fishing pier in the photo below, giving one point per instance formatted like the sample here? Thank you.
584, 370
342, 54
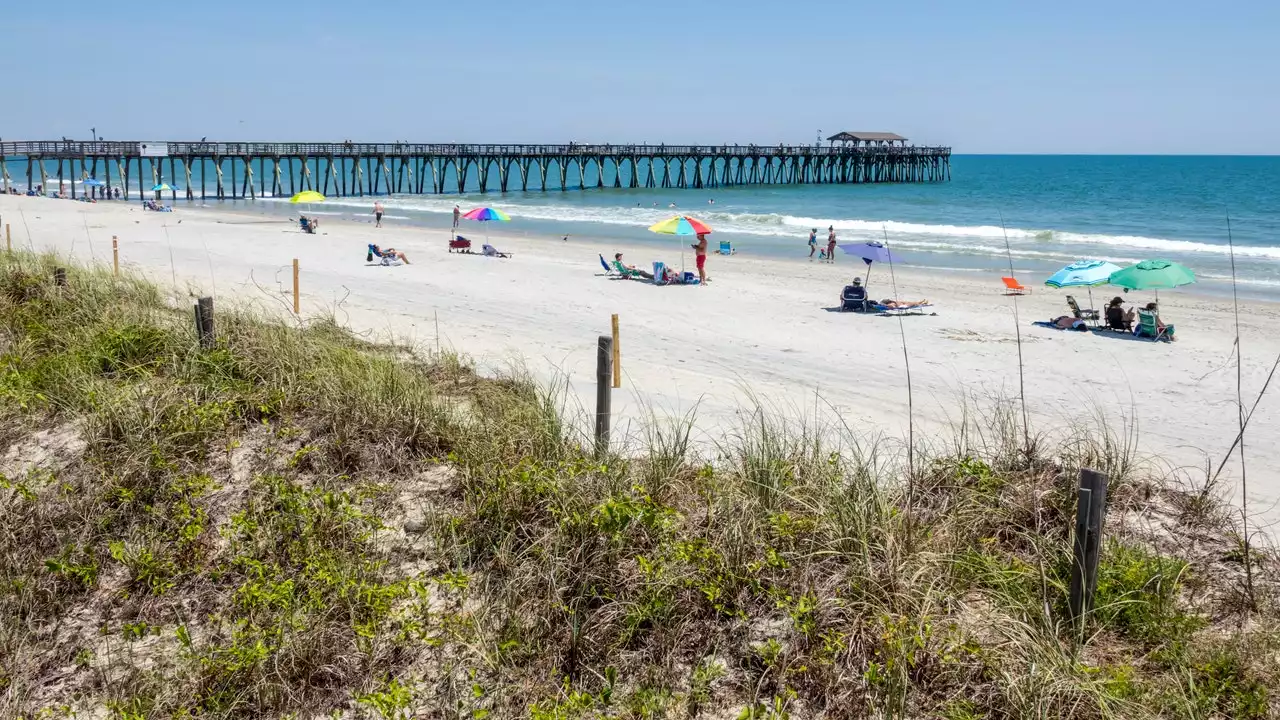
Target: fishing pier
247, 170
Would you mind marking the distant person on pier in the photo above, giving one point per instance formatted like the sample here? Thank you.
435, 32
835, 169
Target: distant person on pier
831, 243
457, 215
700, 251
377, 214
813, 243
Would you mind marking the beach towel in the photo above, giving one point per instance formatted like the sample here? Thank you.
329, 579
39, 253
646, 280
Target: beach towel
920, 309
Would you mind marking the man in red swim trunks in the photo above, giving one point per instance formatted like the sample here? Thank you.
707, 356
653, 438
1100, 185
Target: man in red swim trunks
700, 249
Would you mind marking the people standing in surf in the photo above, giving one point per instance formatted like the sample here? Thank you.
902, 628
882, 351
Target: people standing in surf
457, 215
813, 243
831, 243
377, 214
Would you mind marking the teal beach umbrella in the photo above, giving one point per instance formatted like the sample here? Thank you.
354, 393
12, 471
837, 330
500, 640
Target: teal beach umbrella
1153, 275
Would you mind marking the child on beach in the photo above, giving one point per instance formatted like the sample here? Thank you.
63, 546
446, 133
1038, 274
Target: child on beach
813, 243
377, 214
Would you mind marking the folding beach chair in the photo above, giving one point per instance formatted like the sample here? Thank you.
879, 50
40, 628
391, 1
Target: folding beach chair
1087, 314
626, 272
726, 247
853, 297
604, 264
1148, 327
1013, 287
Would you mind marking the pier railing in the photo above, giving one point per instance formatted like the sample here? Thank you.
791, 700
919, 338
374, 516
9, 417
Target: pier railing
256, 169
113, 148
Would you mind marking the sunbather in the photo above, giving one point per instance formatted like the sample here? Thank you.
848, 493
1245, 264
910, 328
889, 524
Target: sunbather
492, 251
309, 225
1069, 322
389, 252
897, 304
631, 269
1117, 317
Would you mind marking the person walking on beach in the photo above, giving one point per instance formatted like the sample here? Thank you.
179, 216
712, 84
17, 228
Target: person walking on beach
831, 243
813, 243
457, 215
700, 251
377, 214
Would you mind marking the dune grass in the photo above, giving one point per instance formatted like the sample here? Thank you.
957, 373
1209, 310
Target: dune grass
299, 523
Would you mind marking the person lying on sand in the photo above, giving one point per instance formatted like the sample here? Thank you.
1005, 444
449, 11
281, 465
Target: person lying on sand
1069, 322
895, 304
391, 252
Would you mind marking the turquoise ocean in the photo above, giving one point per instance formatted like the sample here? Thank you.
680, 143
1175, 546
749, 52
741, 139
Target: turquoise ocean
1055, 209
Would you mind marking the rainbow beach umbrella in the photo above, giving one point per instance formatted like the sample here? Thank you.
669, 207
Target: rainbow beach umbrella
486, 214
681, 225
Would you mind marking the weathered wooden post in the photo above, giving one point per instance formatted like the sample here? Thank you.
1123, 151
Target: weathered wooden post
8, 239
617, 355
296, 308
204, 322
1091, 507
60, 277
115, 256
604, 393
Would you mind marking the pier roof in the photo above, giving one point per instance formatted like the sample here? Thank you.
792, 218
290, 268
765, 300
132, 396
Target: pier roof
860, 136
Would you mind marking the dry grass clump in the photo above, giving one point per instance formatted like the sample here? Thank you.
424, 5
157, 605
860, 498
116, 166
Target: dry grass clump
301, 522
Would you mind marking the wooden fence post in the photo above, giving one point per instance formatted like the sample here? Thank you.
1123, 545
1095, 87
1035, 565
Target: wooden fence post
1091, 509
8, 239
115, 256
617, 355
296, 308
604, 393
60, 277
204, 322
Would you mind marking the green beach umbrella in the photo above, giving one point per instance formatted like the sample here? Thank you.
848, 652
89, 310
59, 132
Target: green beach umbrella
1153, 275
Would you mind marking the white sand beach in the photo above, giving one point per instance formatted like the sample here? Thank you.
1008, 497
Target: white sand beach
762, 328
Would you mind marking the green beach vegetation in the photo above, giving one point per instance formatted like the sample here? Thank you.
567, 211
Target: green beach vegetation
300, 523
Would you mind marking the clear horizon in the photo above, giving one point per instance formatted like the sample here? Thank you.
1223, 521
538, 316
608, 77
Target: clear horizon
995, 78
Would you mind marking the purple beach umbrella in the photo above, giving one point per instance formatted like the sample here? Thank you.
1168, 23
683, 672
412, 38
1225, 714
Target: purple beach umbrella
870, 252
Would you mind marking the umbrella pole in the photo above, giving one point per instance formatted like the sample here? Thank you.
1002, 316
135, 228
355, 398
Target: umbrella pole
866, 282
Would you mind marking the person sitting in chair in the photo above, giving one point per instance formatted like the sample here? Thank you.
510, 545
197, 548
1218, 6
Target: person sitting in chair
391, 253
309, 225
1117, 317
1162, 329
853, 295
632, 268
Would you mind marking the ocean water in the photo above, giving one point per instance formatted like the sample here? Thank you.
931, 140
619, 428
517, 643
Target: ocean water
1054, 210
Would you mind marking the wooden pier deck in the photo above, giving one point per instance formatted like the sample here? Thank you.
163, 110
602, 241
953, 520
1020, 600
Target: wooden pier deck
227, 170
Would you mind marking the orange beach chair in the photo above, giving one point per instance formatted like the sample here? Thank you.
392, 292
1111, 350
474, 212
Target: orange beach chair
1013, 287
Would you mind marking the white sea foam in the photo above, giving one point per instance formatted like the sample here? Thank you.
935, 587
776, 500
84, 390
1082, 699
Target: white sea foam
923, 236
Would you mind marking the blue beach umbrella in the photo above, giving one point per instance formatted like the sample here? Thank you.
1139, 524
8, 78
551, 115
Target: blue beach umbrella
94, 182
1083, 273
870, 252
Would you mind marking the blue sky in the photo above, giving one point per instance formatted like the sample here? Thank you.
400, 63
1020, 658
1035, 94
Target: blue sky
984, 76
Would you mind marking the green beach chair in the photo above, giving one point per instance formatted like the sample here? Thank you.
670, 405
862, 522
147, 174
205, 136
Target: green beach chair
1147, 326
626, 272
